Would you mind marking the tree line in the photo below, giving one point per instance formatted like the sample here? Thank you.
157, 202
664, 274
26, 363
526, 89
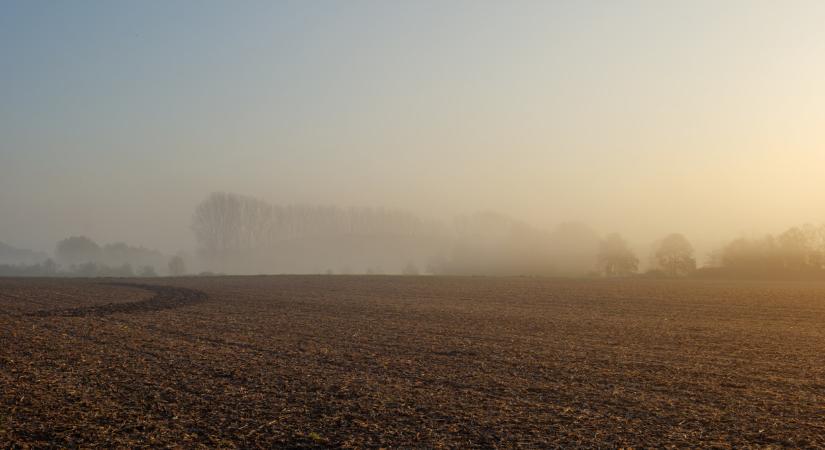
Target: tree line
80, 256
242, 234
227, 223
245, 235
796, 252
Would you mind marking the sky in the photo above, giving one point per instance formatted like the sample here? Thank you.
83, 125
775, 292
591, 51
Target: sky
638, 117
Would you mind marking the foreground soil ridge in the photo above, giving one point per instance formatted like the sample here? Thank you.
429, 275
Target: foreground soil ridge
411, 362
166, 297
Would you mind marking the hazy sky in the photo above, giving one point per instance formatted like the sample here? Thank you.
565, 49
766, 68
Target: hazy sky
638, 117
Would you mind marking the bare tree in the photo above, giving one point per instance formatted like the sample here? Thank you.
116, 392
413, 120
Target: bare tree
674, 255
177, 267
235, 231
798, 250
77, 250
217, 224
615, 257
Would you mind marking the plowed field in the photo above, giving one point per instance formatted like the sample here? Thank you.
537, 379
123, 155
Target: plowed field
292, 361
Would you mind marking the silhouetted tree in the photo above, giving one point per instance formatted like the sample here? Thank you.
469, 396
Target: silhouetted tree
49, 268
803, 248
217, 224
235, 232
615, 257
177, 267
119, 253
13, 256
747, 256
797, 251
77, 250
674, 256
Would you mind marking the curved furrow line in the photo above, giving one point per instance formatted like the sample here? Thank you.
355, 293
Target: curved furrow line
166, 297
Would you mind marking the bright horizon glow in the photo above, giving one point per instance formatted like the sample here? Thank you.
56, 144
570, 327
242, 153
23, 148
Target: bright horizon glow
639, 117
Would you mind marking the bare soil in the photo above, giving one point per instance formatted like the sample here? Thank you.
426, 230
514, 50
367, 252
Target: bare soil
337, 361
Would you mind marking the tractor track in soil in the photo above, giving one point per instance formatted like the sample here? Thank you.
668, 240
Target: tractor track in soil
166, 297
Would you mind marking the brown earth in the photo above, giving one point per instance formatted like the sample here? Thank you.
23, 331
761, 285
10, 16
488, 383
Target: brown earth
411, 362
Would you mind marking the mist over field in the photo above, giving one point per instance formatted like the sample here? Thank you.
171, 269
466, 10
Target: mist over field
458, 137
412, 224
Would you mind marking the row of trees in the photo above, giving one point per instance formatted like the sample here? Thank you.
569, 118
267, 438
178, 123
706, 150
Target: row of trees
242, 234
78, 250
239, 234
49, 268
489, 243
12, 255
797, 251
236, 233
673, 257
79, 256
493, 244
226, 223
